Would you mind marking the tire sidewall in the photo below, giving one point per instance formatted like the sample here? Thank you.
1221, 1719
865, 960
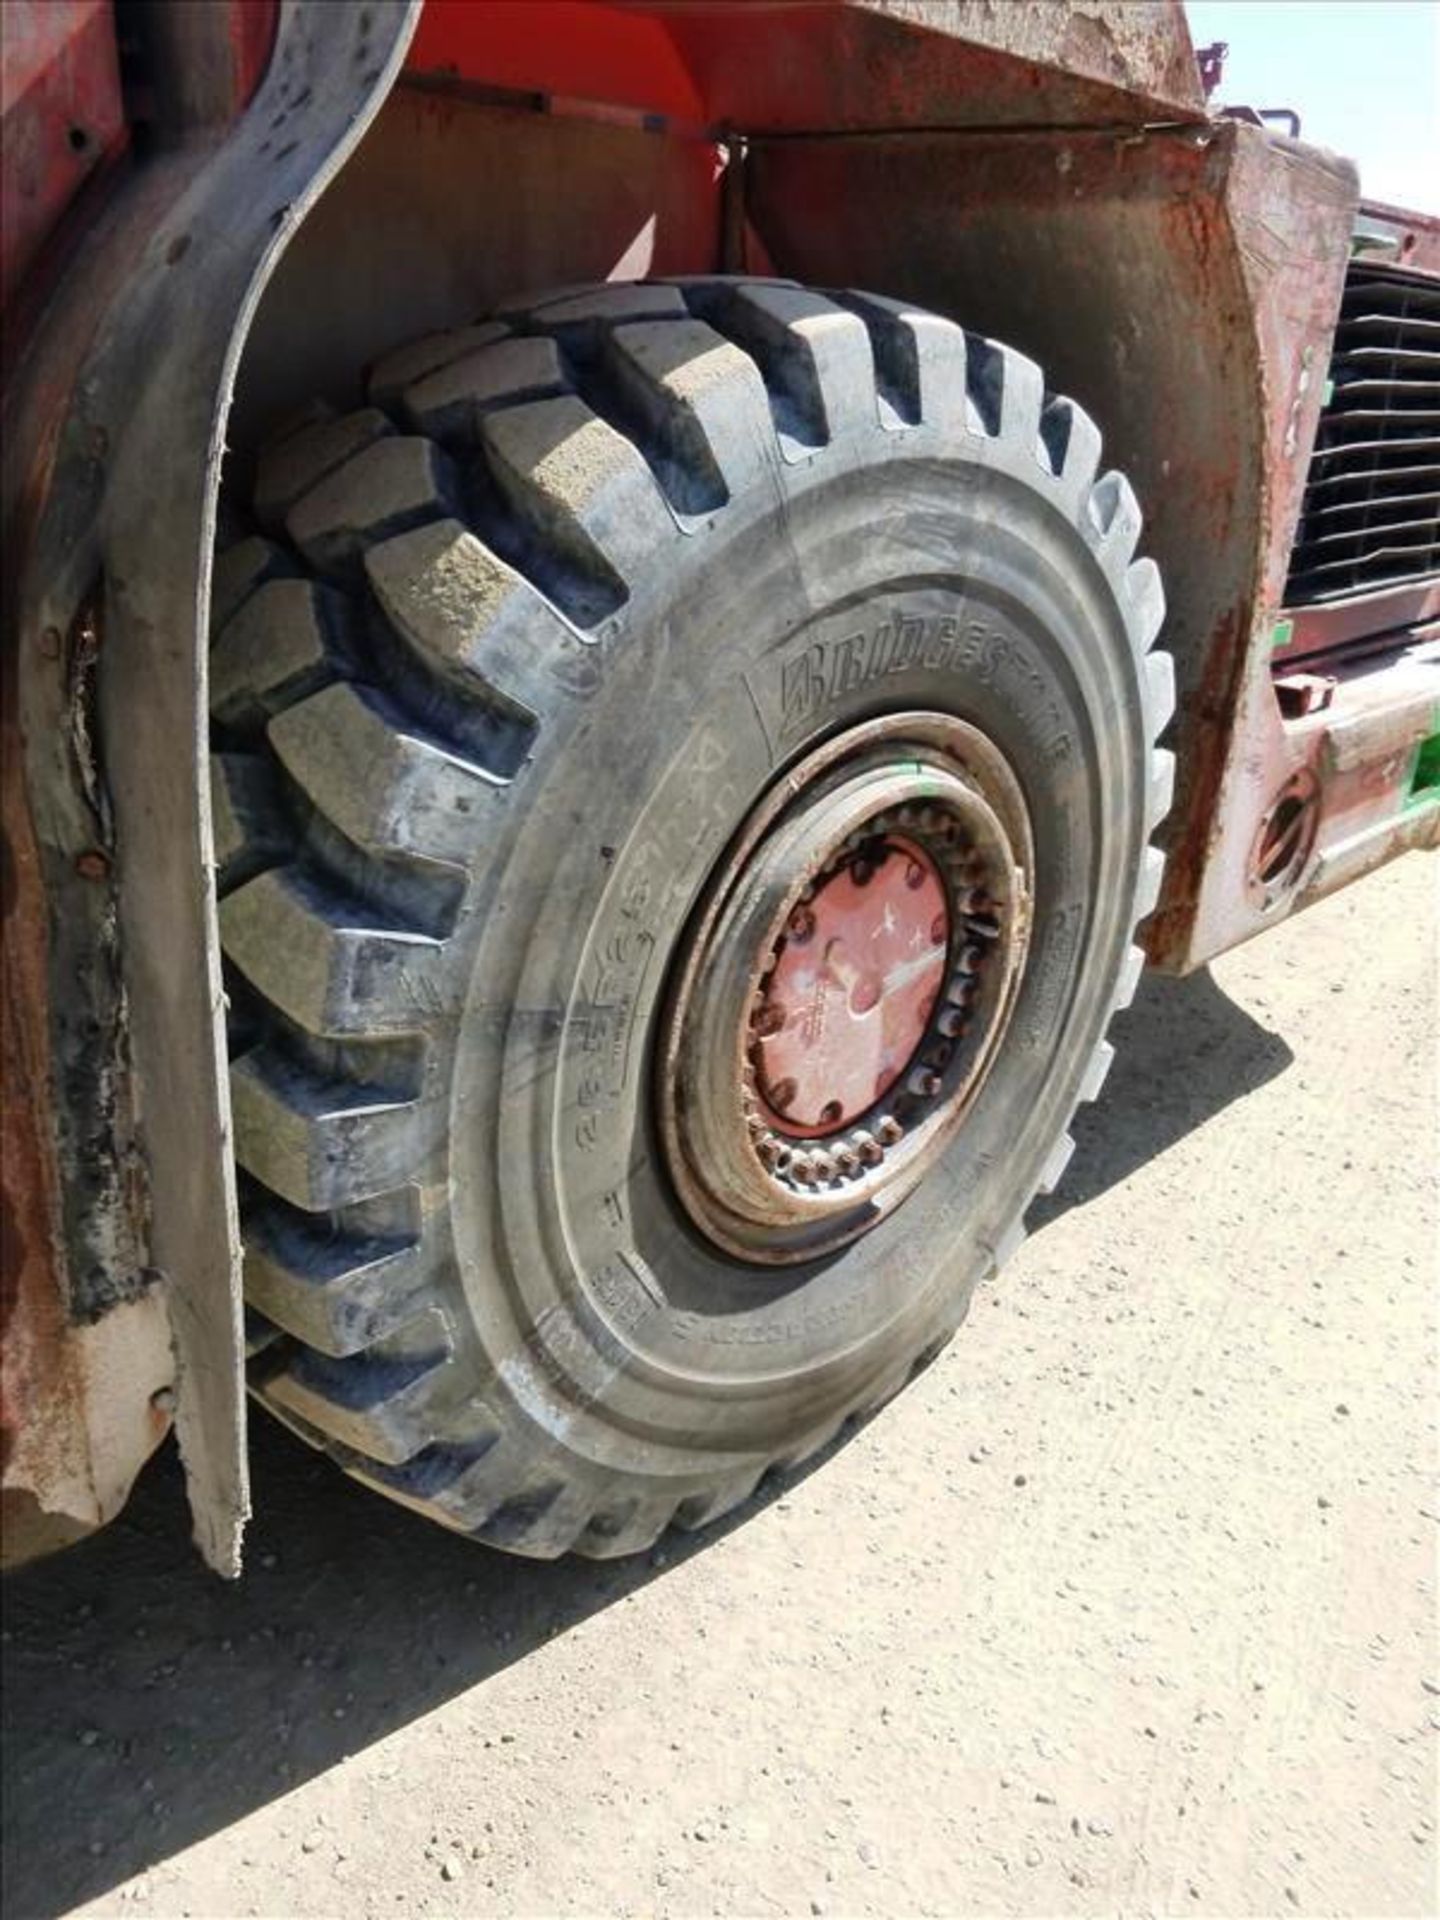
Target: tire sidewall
895, 580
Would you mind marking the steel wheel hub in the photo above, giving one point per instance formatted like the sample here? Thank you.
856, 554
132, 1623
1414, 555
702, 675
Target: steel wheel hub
842, 991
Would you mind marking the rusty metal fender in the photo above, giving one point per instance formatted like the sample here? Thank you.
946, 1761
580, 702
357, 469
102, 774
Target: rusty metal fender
1181, 281
115, 434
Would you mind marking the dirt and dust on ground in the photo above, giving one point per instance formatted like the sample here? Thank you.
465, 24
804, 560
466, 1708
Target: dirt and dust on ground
1125, 1607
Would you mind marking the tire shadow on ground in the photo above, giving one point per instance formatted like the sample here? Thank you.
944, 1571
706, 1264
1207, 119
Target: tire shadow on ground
147, 1704
1184, 1051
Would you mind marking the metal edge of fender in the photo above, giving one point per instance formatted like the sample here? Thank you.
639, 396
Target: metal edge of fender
123, 542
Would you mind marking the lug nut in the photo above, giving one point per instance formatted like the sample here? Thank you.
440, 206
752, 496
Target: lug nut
952, 1023
923, 1082
847, 1159
869, 1149
822, 1165
889, 1131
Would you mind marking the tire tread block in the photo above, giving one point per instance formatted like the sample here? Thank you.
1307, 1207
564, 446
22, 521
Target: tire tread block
326, 964
338, 1290
323, 1143
387, 788
412, 363
289, 469
282, 645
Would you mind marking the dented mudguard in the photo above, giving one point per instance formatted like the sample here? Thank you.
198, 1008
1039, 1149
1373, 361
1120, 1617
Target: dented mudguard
121, 1303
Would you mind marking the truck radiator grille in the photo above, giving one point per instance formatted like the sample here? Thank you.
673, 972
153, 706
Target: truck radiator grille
1371, 512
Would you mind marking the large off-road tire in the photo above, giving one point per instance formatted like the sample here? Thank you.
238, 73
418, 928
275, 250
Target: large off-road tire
517, 653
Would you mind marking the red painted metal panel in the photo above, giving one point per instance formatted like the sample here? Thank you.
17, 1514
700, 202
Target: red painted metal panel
252, 39
568, 47
60, 117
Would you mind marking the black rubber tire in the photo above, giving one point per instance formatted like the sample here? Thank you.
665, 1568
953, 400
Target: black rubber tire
519, 647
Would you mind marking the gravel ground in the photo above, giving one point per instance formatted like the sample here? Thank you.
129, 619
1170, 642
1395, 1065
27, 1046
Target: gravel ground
1126, 1607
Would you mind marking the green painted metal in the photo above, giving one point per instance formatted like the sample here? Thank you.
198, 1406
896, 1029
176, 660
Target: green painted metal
1423, 786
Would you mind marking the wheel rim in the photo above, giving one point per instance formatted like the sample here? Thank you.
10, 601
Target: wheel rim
844, 986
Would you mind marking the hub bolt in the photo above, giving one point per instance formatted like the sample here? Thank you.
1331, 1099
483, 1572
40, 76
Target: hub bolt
782, 1095
866, 994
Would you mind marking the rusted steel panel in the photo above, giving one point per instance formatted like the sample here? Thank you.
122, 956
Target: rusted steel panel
60, 117
1371, 622
1142, 46
1182, 283
910, 63
1109, 257
113, 441
770, 66
1396, 234
83, 1399
1295, 241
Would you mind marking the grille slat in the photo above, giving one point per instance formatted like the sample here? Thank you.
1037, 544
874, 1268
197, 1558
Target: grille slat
1371, 511
1384, 567
1418, 533
1394, 458
1324, 512
1364, 326
1379, 292
1353, 364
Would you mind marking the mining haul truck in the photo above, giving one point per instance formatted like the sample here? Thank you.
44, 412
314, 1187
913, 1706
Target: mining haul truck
626, 621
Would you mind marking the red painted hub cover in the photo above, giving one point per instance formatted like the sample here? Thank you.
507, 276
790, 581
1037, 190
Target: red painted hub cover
856, 976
